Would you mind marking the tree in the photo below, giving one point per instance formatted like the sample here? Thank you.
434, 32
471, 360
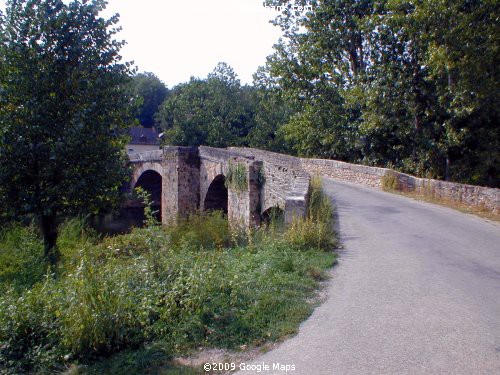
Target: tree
400, 115
216, 111
462, 56
182, 117
405, 84
151, 92
433, 81
271, 113
63, 111
316, 65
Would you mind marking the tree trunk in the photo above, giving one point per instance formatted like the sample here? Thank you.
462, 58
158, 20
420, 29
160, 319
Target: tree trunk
447, 170
49, 231
417, 87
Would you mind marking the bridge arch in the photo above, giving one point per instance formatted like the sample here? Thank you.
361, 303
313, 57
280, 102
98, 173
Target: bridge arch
150, 180
140, 169
217, 195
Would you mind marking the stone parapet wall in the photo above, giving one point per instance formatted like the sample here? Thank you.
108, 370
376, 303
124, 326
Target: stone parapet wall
286, 185
462, 194
359, 174
298, 199
278, 180
218, 154
155, 155
471, 196
270, 157
467, 195
279, 184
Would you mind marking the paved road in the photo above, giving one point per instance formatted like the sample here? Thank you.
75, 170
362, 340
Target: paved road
416, 291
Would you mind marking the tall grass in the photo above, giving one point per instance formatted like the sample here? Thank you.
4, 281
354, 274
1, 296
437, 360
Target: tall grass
180, 287
316, 229
390, 182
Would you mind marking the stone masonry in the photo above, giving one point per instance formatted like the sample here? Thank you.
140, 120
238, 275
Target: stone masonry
193, 179
190, 177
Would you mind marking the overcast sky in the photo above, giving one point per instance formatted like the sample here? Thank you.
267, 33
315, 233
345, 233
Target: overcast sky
184, 38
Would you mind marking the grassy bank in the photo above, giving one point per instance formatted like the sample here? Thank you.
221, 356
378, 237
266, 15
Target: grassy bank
130, 303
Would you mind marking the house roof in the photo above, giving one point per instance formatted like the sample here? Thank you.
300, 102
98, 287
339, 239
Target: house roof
144, 136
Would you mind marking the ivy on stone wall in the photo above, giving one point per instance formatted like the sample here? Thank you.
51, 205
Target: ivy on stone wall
261, 177
236, 178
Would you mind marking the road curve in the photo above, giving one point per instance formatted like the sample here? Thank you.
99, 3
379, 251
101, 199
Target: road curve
416, 291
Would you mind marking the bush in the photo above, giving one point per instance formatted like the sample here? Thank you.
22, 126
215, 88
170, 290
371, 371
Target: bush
206, 230
320, 209
304, 234
21, 257
74, 236
29, 331
236, 178
100, 313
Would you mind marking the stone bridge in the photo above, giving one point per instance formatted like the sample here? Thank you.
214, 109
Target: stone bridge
183, 180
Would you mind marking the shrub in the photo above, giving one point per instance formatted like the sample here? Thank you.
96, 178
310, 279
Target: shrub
29, 333
151, 359
304, 234
100, 314
21, 257
150, 216
74, 236
204, 230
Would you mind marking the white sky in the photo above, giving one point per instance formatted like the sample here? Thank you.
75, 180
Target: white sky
184, 38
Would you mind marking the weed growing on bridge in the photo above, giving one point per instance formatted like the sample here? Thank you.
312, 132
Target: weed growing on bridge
261, 177
390, 182
236, 178
156, 292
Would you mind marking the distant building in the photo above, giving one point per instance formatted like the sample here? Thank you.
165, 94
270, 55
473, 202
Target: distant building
143, 139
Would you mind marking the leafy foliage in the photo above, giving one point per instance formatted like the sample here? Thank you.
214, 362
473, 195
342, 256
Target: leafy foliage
219, 112
63, 110
392, 83
271, 112
149, 214
215, 111
316, 230
390, 182
22, 264
151, 92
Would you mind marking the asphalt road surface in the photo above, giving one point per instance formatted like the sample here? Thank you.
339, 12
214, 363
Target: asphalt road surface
416, 291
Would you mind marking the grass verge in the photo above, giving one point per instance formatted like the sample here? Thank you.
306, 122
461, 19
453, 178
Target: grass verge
130, 303
474, 210
391, 184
